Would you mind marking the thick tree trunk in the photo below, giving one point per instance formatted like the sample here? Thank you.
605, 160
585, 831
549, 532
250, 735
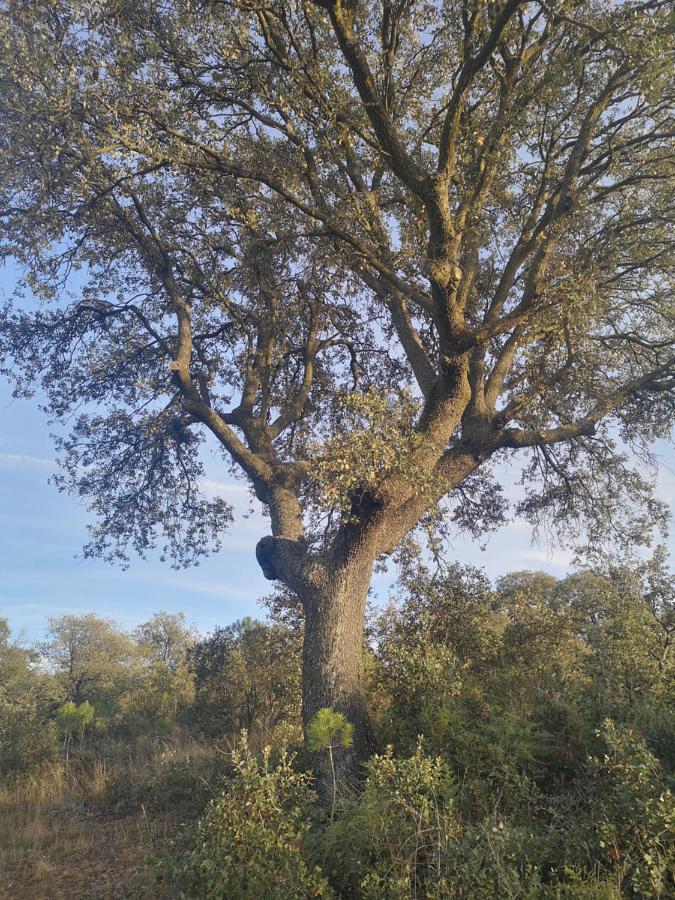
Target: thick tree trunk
333, 595
333, 666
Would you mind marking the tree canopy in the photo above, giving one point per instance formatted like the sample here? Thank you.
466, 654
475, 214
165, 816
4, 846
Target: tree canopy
370, 247
270, 207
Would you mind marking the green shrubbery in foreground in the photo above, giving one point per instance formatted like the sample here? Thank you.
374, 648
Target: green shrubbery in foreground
526, 742
406, 834
544, 769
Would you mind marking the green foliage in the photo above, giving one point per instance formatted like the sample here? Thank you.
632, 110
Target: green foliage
91, 658
247, 676
165, 683
633, 813
532, 669
73, 718
328, 730
404, 202
545, 770
249, 843
385, 843
28, 740
373, 438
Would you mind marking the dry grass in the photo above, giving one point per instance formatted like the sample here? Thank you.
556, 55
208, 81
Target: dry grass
85, 832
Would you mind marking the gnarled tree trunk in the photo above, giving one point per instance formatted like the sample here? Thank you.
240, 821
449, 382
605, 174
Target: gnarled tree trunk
333, 588
333, 663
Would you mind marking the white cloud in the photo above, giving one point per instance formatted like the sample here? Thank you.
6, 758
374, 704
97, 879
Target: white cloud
201, 586
229, 489
665, 484
558, 558
23, 459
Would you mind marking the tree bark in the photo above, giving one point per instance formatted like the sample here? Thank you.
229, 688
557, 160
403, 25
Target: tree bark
333, 666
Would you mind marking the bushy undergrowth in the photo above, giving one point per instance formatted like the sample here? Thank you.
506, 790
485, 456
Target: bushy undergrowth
249, 843
545, 767
526, 736
404, 835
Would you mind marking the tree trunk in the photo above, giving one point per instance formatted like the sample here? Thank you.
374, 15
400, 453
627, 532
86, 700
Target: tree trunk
333, 667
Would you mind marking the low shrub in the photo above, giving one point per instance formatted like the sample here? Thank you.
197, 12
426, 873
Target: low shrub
389, 841
249, 843
633, 814
27, 742
412, 834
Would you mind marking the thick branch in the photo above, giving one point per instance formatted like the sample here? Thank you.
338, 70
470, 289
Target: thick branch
515, 438
342, 18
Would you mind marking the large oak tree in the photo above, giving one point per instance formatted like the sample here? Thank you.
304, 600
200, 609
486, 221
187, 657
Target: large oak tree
370, 246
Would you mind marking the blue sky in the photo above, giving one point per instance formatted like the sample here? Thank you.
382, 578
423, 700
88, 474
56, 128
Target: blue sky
43, 531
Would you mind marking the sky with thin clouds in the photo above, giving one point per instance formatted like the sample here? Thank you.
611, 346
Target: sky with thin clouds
42, 532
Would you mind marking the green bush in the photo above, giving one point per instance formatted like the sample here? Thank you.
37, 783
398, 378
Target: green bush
633, 814
26, 741
249, 843
387, 842
73, 718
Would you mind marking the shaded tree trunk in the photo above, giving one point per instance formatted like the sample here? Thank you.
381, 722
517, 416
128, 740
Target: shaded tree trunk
333, 588
332, 675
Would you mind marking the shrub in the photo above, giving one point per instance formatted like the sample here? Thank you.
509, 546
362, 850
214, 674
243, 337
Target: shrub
73, 718
27, 742
249, 842
633, 813
388, 842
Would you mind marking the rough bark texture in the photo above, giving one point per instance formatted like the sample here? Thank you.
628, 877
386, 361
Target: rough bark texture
333, 588
333, 664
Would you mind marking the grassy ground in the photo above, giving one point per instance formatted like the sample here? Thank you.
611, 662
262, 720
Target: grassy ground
93, 829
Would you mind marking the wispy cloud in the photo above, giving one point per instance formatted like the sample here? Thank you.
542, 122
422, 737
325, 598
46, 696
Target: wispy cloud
665, 484
558, 558
229, 489
202, 586
23, 459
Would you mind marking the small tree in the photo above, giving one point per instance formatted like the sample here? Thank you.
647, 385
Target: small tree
166, 682
90, 657
72, 719
27, 736
248, 678
329, 730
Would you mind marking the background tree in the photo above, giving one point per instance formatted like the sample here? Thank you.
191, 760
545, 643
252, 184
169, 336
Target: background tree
90, 659
247, 676
369, 247
166, 684
27, 737
515, 684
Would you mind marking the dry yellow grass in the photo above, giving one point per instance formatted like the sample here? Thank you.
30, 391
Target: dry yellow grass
61, 837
